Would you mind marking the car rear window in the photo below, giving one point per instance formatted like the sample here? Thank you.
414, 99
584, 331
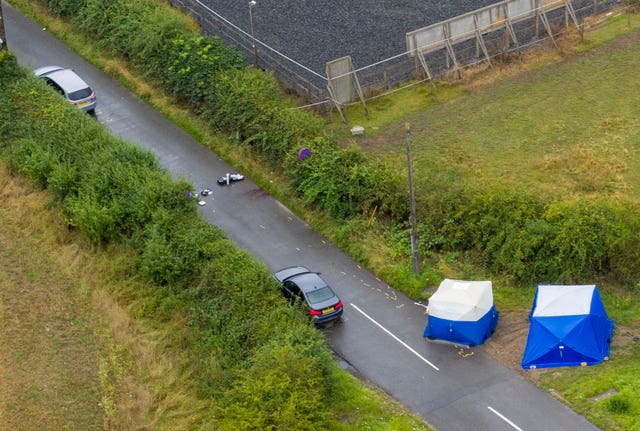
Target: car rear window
319, 295
80, 94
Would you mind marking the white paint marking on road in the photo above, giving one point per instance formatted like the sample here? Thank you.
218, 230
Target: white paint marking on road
504, 418
396, 338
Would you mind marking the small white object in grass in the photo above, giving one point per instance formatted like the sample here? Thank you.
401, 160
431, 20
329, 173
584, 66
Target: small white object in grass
357, 130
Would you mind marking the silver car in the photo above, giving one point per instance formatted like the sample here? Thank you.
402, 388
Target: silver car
70, 85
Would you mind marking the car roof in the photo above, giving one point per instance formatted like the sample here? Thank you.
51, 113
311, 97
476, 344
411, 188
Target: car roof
67, 79
289, 272
308, 281
41, 71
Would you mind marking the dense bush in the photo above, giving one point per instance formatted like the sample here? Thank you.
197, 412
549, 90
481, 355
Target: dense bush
264, 396
176, 247
191, 65
107, 187
342, 181
531, 240
125, 27
462, 217
65, 7
248, 104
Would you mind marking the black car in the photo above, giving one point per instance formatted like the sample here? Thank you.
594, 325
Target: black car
302, 286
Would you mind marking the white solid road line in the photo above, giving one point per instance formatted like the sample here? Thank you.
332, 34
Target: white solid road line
395, 338
504, 418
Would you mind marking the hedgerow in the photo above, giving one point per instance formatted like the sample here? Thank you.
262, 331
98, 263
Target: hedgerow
532, 240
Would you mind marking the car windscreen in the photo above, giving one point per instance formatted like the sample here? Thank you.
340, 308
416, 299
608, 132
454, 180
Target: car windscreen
80, 94
319, 295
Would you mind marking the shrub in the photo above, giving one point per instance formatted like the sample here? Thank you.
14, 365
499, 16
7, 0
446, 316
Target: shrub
102, 20
34, 160
192, 63
584, 237
342, 181
65, 7
625, 246
176, 247
116, 182
239, 305
62, 180
282, 389
238, 97
525, 253
9, 69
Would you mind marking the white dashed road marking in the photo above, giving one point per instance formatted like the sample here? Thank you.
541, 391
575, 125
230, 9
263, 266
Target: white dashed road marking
405, 345
504, 418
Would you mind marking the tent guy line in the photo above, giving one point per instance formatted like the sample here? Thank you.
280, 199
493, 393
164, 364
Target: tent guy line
405, 345
504, 418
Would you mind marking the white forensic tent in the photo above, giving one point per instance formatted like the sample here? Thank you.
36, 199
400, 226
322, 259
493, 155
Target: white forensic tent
462, 312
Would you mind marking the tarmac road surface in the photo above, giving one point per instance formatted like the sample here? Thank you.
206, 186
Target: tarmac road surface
380, 338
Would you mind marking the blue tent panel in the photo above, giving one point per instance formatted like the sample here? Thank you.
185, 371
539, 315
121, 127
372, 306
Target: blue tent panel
463, 332
557, 339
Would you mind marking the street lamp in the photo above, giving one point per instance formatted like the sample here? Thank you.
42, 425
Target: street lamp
252, 3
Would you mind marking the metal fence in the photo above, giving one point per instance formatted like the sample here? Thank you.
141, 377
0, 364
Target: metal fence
509, 26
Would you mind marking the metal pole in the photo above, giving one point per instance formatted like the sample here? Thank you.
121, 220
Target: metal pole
3, 35
252, 3
412, 218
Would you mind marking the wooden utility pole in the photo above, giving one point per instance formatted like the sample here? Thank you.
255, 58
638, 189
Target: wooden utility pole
3, 35
412, 197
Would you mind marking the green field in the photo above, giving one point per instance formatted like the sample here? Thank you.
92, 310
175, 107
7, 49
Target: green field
567, 129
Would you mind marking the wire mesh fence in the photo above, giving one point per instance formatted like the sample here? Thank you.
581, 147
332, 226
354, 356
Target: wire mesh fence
294, 76
405, 68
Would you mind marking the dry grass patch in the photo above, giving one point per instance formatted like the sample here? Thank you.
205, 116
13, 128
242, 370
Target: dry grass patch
49, 378
72, 357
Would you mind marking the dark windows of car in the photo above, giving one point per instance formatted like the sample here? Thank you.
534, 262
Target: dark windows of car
69, 85
320, 295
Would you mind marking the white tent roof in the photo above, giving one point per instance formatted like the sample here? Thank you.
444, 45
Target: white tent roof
461, 300
554, 300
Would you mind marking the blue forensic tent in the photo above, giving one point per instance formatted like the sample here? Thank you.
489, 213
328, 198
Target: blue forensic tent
568, 327
462, 312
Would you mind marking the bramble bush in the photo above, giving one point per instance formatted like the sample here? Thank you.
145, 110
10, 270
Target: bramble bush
247, 104
531, 240
264, 396
65, 7
190, 68
176, 247
342, 181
